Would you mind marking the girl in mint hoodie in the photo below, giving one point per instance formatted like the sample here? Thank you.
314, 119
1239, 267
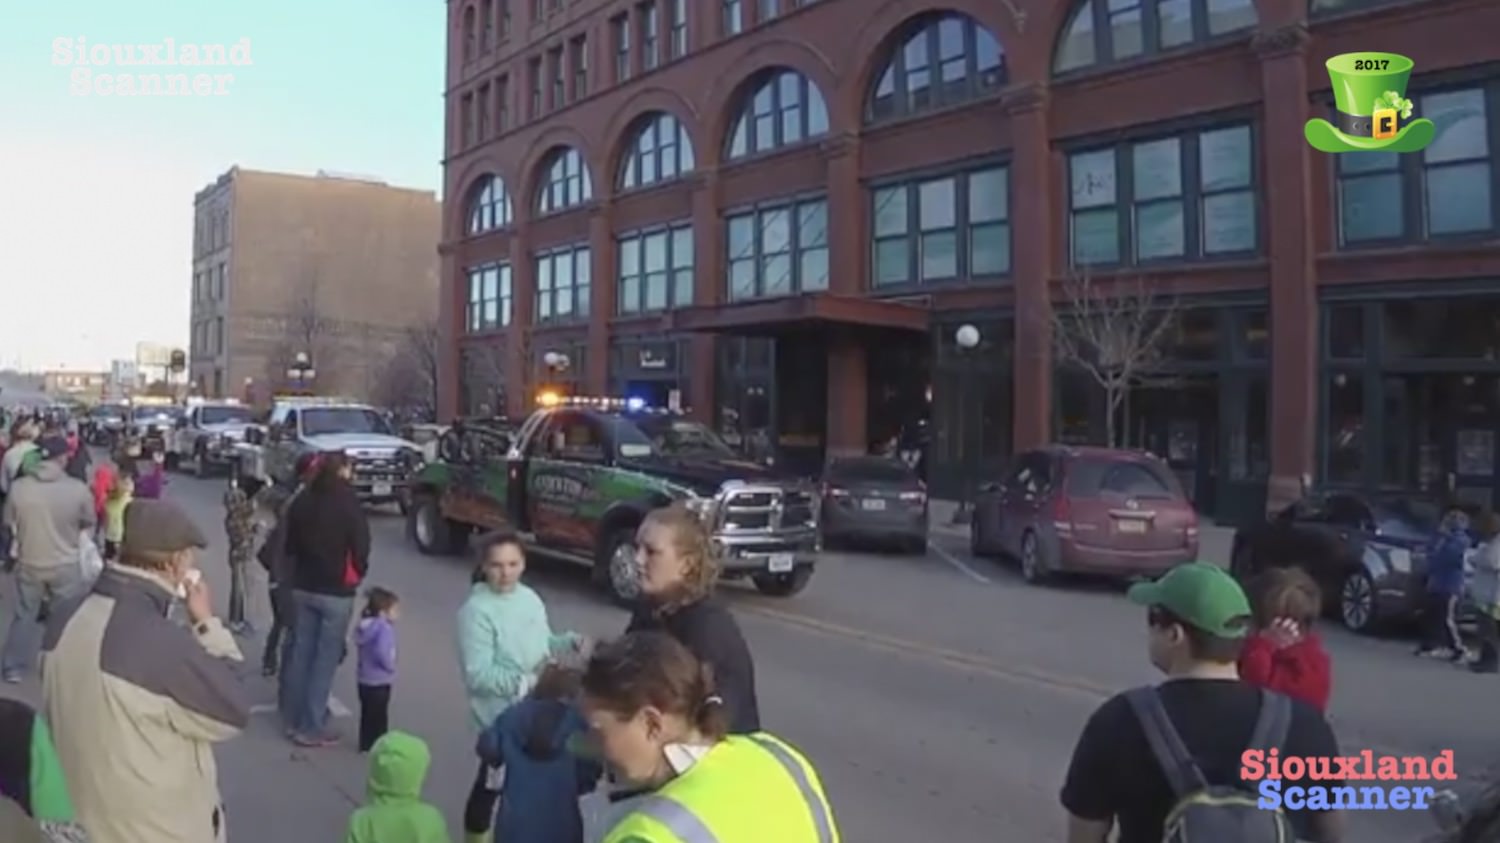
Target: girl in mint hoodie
504, 641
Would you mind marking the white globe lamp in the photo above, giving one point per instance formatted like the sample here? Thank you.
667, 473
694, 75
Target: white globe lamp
967, 336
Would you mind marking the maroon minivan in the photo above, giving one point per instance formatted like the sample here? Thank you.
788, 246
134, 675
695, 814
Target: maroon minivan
1065, 509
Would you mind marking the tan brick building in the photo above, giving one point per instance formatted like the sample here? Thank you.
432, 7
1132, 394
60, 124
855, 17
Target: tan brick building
336, 267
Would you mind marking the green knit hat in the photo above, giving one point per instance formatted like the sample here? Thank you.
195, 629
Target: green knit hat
1369, 91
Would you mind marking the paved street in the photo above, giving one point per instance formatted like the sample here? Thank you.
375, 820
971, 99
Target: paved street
940, 696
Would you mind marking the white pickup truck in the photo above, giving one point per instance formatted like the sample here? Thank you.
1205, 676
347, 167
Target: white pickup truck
206, 436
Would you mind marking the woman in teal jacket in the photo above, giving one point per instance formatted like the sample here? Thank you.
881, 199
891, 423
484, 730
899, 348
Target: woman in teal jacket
504, 641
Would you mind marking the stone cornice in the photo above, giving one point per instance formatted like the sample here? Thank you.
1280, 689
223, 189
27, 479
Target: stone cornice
837, 146
1286, 40
1024, 98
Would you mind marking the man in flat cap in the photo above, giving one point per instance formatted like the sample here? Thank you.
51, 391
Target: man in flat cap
122, 681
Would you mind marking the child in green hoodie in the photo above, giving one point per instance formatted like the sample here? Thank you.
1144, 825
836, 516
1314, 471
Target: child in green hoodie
394, 811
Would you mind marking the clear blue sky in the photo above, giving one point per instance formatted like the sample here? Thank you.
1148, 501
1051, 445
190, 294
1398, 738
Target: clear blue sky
96, 192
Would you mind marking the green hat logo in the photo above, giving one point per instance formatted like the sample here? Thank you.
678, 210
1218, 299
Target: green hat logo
1374, 115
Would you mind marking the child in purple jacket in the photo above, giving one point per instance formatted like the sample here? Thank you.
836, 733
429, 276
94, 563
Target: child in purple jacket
375, 637
152, 483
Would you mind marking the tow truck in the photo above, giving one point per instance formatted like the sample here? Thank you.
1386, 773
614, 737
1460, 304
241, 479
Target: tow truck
206, 435
579, 476
382, 461
152, 420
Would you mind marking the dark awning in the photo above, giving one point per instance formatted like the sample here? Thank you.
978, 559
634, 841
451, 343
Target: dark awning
798, 313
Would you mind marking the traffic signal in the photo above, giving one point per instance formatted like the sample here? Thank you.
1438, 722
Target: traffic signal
178, 361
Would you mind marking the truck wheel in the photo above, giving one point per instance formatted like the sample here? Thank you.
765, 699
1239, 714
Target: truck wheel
614, 567
433, 534
783, 585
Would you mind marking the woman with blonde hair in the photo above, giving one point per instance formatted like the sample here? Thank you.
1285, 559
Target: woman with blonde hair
674, 553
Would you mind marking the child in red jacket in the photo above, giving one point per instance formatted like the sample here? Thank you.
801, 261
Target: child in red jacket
1284, 653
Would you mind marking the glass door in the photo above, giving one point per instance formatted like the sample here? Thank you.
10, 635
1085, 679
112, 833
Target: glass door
1474, 414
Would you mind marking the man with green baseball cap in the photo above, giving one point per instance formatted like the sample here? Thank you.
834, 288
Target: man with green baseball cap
1369, 92
1197, 619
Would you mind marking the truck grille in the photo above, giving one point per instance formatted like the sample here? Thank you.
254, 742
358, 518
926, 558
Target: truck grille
767, 509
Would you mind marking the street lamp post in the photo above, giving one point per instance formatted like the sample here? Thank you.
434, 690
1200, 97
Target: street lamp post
967, 339
301, 372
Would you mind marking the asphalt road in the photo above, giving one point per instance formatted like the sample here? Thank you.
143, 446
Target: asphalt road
939, 696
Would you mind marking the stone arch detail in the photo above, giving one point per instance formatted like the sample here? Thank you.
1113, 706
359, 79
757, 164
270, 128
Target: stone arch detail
1051, 20
622, 124
457, 210
726, 98
876, 39
536, 156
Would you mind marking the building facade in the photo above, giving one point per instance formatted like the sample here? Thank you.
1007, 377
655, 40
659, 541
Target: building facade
341, 269
77, 386
781, 211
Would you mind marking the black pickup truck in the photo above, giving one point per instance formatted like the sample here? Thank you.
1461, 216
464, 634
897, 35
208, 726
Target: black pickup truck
576, 481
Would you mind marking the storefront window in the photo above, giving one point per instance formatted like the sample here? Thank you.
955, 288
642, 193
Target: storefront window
1453, 328
1250, 445
1255, 334
1346, 332
1345, 426
1196, 338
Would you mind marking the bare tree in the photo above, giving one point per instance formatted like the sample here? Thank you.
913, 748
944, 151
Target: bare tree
483, 375
1115, 334
409, 377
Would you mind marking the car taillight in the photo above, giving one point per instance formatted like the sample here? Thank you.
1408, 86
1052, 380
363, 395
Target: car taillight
834, 492
914, 497
1062, 511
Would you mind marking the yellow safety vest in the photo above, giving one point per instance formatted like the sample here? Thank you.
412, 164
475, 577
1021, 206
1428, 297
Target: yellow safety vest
747, 789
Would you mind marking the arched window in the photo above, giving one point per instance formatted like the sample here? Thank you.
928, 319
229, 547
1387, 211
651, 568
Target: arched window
662, 151
1108, 31
939, 60
567, 183
487, 33
782, 109
489, 205
468, 32
1333, 7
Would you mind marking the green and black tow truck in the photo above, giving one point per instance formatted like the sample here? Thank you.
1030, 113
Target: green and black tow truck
577, 478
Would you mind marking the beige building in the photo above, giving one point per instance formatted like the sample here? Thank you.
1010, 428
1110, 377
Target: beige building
82, 386
338, 268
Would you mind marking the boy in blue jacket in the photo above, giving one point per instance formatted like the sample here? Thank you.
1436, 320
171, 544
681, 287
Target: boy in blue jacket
1445, 585
531, 742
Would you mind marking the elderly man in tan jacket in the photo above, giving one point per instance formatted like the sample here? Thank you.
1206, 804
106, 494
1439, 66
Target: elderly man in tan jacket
136, 701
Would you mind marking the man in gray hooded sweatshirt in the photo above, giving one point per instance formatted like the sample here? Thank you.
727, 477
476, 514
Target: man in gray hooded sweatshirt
48, 513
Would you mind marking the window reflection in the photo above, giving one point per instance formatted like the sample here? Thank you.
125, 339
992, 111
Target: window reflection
1453, 328
1345, 428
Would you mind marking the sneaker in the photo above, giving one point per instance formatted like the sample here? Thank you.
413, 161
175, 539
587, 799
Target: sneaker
318, 742
11, 677
1460, 656
1442, 653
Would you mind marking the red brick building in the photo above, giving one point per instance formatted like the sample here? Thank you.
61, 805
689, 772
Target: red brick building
779, 212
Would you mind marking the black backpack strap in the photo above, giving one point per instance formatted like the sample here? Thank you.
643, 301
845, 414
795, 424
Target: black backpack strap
1273, 723
1177, 764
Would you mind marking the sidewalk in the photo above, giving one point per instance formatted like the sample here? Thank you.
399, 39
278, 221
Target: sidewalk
1215, 543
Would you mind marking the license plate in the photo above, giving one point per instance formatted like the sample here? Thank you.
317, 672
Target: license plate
873, 504
780, 563
1130, 525
381, 489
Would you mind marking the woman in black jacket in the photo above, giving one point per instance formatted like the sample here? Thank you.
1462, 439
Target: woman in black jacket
678, 571
328, 553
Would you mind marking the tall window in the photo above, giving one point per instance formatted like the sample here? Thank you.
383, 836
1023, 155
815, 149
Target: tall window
732, 17
534, 70
1447, 191
1106, 31
580, 50
487, 33
656, 270
945, 59
483, 101
466, 117
765, 9
562, 284
504, 15
490, 297
489, 208
468, 33
567, 183
650, 35
677, 45
662, 151
621, 28
778, 250
1184, 197
785, 108
502, 104
558, 74
941, 229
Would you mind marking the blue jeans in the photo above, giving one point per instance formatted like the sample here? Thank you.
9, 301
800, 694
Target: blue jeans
35, 590
318, 628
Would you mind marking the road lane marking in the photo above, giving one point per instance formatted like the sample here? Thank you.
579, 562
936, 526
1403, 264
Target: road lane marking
335, 708
961, 565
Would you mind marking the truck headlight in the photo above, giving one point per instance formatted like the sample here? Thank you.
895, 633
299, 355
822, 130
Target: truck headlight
704, 508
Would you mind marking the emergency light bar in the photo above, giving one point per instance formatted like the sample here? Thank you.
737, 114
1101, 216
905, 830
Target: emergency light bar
551, 399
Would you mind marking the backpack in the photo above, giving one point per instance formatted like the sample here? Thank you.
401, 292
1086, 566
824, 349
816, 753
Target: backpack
1208, 813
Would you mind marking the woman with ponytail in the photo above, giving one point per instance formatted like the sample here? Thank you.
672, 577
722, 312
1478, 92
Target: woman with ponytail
661, 725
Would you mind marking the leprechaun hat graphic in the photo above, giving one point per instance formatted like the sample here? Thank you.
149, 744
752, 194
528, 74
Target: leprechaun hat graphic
1369, 91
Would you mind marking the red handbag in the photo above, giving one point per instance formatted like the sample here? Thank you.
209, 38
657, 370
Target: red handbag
351, 573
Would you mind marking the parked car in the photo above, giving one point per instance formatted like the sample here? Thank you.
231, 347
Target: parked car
1064, 509
874, 499
1367, 552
